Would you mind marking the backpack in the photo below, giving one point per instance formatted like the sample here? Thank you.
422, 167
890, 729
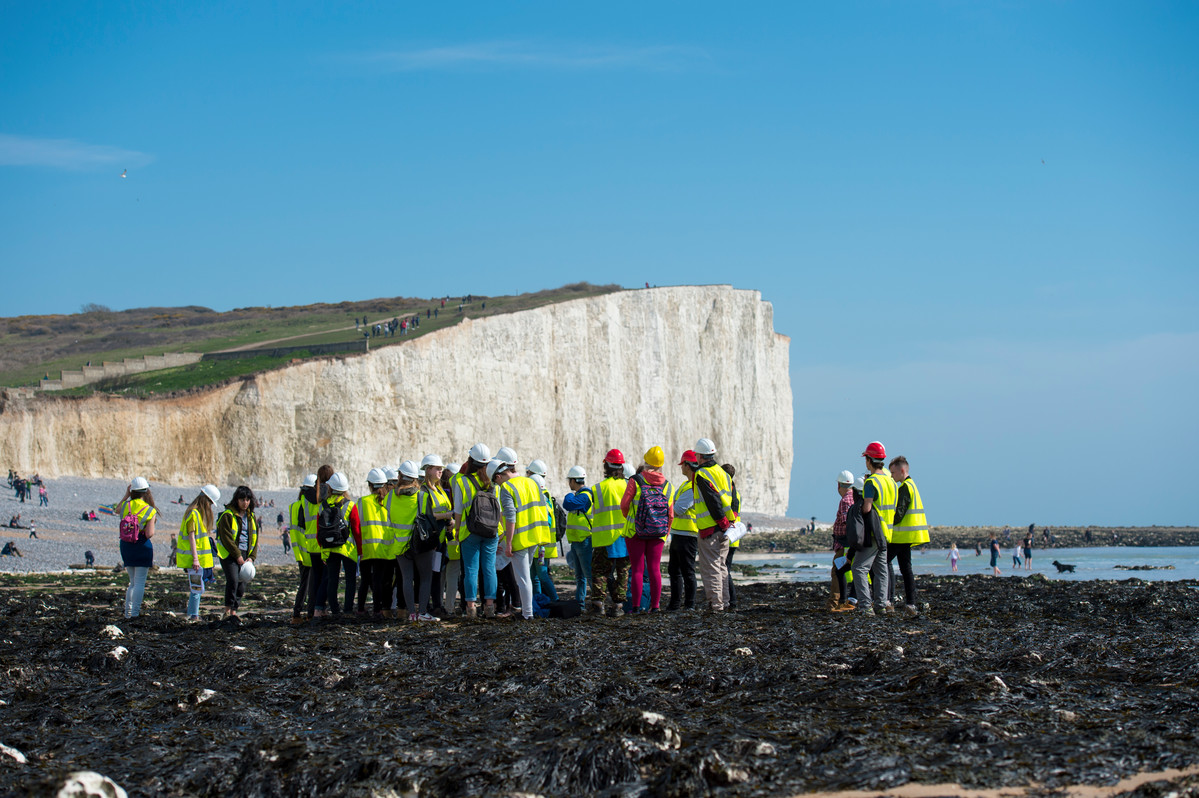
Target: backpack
332, 531
131, 529
483, 518
559, 519
425, 534
653, 511
855, 526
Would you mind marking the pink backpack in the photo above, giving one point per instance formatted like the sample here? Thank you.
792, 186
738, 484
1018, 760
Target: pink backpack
131, 530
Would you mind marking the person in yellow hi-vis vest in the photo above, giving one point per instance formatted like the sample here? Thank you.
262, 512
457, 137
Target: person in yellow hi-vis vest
236, 544
577, 505
609, 553
343, 557
878, 509
436, 502
909, 528
684, 538
376, 568
195, 552
522, 506
548, 550
712, 491
297, 530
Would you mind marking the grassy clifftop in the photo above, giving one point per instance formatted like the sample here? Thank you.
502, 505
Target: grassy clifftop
32, 346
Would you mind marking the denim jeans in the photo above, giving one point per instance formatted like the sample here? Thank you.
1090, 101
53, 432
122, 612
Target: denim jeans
478, 554
579, 558
193, 595
542, 582
136, 590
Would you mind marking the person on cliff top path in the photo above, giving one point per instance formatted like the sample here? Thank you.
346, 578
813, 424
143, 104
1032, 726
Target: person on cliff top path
405, 505
525, 527
908, 529
377, 566
646, 501
577, 505
137, 555
344, 557
684, 538
878, 509
478, 546
609, 554
730, 588
237, 544
296, 531
714, 514
841, 563
195, 554
435, 502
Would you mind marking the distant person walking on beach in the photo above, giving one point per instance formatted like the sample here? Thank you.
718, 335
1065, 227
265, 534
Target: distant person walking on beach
42, 497
953, 557
138, 514
994, 555
1028, 551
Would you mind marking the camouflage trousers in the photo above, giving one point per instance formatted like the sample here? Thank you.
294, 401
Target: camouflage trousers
610, 575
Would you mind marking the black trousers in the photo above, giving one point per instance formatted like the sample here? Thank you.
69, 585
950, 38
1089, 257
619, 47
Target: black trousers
508, 596
729, 589
333, 568
234, 588
301, 592
683, 553
378, 576
316, 584
903, 553
841, 572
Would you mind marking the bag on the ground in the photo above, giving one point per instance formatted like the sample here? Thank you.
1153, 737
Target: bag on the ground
653, 511
131, 529
425, 534
567, 608
483, 517
332, 531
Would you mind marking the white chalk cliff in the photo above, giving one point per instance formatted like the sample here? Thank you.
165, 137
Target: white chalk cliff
563, 382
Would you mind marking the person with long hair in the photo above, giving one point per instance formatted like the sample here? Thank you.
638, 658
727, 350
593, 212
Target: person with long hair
451, 577
297, 532
137, 556
478, 550
316, 571
413, 566
195, 554
236, 544
646, 504
434, 501
345, 557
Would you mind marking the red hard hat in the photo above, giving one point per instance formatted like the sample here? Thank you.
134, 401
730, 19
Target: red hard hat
689, 457
614, 457
875, 451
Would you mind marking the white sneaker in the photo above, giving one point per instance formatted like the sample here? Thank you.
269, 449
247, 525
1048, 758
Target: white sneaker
424, 616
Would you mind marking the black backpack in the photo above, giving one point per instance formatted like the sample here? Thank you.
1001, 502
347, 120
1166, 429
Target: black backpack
559, 519
483, 518
855, 526
332, 531
425, 533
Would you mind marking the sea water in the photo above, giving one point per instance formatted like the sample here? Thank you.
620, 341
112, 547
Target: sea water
1089, 563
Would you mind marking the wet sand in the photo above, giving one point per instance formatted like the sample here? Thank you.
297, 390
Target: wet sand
1021, 685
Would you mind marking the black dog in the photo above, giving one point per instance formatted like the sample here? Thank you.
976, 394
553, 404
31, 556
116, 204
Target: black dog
1062, 568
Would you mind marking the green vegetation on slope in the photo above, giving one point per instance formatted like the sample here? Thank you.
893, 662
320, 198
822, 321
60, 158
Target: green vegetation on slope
32, 346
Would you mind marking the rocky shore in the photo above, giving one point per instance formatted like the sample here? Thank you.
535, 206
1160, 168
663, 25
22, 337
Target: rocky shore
1000, 683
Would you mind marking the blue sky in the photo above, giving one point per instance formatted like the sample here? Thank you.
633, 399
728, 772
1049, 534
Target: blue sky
976, 221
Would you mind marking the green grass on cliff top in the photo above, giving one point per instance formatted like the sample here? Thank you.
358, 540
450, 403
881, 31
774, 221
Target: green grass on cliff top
33, 346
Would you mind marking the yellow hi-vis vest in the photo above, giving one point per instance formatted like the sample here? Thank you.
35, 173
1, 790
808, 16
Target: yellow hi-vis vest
295, 533
630, 526
683, 524
374, 519
310, 512
193, 524
432, 499
550, 539
607, 522
467, 487
578, 526
913, 528
349, 549
403, 515
718, 478
251, 533
884, 504
139, 508
531, 522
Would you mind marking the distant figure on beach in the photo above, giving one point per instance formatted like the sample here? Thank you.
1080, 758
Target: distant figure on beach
994, 555
978, 549
1016, 561
1028, 552
89, 559
11, 550
43, 499
33, 532
15, 522
953, 557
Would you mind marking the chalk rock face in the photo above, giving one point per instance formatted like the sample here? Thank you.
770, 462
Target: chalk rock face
563, 383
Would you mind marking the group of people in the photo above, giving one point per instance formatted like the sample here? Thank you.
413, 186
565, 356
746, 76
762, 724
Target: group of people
880, 519
24, 486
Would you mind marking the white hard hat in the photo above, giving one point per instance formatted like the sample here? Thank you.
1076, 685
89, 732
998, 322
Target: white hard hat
480, 453
860, 484
845, 478
540, 480
629, 471
705, 446
338, 482
246, 573
391, 474
452, 468
577, 472
410, 469
537, 467
211, 492
493, 466
431, 460
139, 483
309, 481
376, 476
508, 455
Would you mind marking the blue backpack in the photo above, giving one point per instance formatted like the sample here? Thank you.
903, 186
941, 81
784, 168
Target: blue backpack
653, 511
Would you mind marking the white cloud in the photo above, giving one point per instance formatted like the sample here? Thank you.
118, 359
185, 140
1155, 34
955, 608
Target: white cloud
527, 55
65, 154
